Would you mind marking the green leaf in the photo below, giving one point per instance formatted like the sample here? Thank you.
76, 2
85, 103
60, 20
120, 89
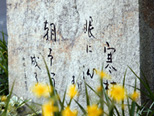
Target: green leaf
133, 108
106, 98
124, 78
129, 109
111, 110
123, 111
8, 100
50, 80
3, 90
116, 110
70, 102
145, 93
144, 84
135, 85
93, 90
31, 108
24, 102
102, 94
87, 96
3, 68
146, 81
150, 108
80, 106
62, 106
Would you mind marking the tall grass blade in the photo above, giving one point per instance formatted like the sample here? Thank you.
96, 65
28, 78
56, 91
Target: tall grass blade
135, 85
145, 93
80, 106
106, 98
144, 84
111, 113
150, 108
102, 95
87, 96
62, 103
93, 90
124, 78
118, 114
129, 109
24, 102
8, 100
122, 109
31, 109
132, 108
50, 80
146, 81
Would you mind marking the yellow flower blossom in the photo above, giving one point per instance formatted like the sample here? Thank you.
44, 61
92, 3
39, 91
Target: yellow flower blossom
94, 110
103, 74
40, 90
68, 112
72, 91
48, 109
3, 98
134, 96
99, 89
117, 92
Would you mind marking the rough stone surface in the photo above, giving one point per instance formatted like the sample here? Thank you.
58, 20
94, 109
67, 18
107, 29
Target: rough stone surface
74, 52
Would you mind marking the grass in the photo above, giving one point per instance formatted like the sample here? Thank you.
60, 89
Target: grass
3, 65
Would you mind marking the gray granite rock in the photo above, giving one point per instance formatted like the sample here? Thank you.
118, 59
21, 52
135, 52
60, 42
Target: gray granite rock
83, 35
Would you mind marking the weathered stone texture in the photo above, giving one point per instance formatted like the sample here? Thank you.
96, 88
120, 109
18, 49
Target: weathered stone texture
114, 21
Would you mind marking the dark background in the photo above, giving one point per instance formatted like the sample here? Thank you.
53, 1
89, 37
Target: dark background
3, 26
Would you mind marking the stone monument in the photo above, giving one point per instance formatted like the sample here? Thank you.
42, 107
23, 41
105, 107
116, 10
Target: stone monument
75, 37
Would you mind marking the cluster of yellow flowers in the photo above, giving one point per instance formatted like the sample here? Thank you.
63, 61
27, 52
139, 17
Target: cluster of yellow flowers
116, 92
48, 109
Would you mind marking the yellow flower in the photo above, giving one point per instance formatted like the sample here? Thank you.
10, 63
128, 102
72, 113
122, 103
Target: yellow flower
3, 98
117, 92
99, 89
135, 95
68, 112
103, 74
40, 89
72, 91
94, 110
49, 109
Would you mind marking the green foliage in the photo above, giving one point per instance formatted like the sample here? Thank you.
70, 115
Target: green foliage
13, 106
106, 104
3, 65
144, 109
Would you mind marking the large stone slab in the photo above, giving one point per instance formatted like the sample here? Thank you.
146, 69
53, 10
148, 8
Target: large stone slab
75, 37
